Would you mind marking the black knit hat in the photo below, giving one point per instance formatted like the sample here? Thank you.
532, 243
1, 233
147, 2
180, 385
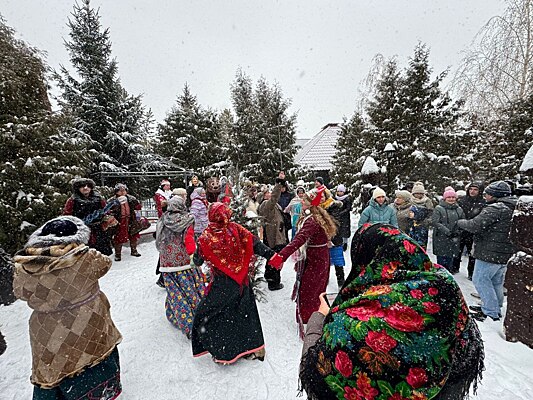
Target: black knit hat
320, 180
59, 227
498, 189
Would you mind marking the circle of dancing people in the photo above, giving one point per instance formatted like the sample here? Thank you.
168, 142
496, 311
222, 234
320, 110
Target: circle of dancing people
399, 325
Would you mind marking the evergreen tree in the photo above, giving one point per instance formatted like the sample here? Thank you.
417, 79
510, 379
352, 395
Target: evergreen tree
352, 147
277, 132
242, 147
40, 151
410, 111
101, 106
264, 136
189, 135
515, 137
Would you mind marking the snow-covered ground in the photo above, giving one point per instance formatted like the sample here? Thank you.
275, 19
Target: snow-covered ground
157, 362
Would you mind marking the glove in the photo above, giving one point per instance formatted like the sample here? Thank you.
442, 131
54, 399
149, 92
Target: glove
276, 261
122, 199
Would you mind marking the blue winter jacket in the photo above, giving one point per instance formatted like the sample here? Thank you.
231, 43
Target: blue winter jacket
375, 213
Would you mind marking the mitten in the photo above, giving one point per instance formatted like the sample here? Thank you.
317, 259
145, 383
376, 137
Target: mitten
276, 261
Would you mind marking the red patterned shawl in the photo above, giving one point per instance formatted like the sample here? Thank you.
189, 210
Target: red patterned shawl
225, 245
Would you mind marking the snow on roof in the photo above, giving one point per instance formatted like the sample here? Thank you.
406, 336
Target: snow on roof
527, 164
318, 152
369, 167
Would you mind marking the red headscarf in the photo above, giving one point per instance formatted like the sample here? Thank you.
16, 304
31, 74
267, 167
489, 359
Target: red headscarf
225, 245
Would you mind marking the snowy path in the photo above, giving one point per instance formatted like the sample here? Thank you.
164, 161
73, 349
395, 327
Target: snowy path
157, 363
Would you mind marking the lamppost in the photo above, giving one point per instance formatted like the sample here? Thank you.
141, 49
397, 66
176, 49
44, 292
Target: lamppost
389, 153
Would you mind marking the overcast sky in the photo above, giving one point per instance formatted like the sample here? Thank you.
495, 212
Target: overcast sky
317, 50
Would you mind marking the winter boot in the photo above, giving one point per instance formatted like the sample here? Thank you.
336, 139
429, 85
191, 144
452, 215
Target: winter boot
133, 247
118, 251
339, 271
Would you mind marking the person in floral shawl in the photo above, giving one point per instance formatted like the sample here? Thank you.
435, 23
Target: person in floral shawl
399, 329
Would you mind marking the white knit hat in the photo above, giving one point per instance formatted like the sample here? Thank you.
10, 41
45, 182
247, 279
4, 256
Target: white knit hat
378, 192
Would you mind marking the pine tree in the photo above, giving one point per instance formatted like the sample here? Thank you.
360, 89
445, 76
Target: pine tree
40, 151
189, 135
101, 106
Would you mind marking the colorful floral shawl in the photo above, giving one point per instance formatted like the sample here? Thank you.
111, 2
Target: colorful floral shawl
399, 329
227, 246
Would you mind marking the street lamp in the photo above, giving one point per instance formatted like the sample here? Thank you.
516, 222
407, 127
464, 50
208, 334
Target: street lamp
389, 153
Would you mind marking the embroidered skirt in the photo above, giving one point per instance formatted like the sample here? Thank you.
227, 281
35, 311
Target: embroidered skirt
185, 289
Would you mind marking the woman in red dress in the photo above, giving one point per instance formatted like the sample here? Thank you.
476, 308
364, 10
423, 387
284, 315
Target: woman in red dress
124, 212
315, 229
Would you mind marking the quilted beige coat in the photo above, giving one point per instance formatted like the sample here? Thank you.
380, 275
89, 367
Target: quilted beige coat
71, 327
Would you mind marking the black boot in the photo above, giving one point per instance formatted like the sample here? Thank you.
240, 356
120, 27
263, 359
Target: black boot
339, 271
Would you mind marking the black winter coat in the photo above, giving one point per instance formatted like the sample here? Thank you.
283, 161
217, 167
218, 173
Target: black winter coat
491, 231
445, 232
343, 217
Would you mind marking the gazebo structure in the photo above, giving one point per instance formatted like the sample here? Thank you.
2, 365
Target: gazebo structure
317, 153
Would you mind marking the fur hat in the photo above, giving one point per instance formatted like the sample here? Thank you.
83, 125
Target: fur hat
120, 186
418, 188
341, 188
449, 192
78, 183
378, 192
403, 194
498, 189
179, 192
61, 230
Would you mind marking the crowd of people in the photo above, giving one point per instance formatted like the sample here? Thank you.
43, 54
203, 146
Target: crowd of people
395, 315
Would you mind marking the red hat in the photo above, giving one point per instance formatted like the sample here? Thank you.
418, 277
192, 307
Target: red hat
315, 195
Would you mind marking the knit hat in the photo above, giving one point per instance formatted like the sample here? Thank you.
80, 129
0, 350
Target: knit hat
59, 227
403, 194
461, 193
179, 192
320, 180
61, 230
341, 188
165, 182
419, 188
378, 192
498, 189
449, 192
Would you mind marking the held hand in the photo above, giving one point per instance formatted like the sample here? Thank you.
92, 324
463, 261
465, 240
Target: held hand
276, 261
324, 307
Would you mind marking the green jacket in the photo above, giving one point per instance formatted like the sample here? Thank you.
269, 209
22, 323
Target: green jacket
375, 213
